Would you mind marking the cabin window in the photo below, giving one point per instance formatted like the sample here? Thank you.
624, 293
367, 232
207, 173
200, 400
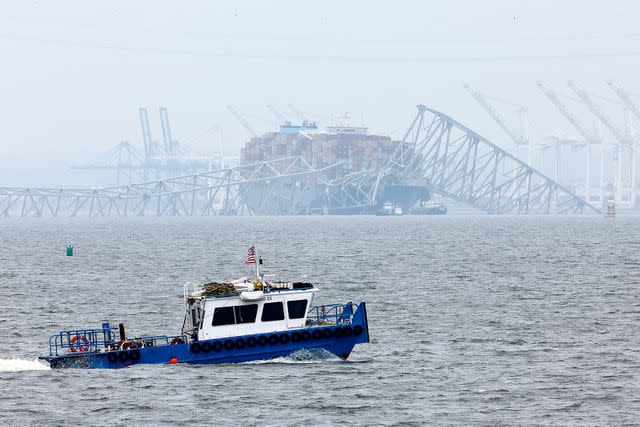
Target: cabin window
223, 316
246, 313
297, 309
235, 314
272, 311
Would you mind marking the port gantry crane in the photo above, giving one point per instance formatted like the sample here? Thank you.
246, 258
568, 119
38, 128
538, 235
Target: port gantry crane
590, 138
520, 138
633, 108
281, 119
622, 138
245, 124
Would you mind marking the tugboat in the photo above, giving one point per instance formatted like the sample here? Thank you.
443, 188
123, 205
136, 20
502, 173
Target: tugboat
242, 320
429, 208
389, 209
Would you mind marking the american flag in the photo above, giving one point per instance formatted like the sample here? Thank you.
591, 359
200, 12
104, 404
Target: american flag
251, 255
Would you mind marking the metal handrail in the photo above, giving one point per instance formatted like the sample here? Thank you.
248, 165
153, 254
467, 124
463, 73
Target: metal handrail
332, 314
102, 339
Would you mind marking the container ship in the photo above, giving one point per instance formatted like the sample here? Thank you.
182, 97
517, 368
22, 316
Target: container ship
342, 150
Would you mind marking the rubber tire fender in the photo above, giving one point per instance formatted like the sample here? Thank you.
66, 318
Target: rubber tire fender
123, 356
338, 332
207, 347
240, 343
306, 336
229, 345
284, 338
273, 339
358, 330
217, 346
112, 357
134, 356
262, 340
317, 334
327, 333
348, 331
251, 342
296, 337
196, 348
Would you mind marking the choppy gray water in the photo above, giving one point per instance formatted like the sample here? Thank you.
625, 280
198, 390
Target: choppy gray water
473, 319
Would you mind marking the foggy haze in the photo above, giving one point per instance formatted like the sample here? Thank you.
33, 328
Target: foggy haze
74, 74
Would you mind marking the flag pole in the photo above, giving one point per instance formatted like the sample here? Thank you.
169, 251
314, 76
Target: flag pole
257, 262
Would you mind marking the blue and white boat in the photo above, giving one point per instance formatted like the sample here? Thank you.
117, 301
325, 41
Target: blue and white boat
243, 320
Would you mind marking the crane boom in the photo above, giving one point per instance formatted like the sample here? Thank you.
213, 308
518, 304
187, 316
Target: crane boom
245, 124
277, 113
587, 135
598, 112
481, 99
625, 98
166, 132
298, 113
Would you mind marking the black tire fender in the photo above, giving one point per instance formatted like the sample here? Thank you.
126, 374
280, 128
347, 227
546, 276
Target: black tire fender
284, 338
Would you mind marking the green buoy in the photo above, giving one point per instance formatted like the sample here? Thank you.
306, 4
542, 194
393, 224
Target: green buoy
69, 250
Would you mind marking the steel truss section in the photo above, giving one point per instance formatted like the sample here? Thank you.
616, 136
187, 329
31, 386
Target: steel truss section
279, 187
460, 164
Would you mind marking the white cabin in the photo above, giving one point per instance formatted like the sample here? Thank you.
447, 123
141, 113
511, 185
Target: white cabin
247, 313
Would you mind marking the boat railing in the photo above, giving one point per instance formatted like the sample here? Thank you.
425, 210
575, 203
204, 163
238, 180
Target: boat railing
82, 340
331, 314
189, 288
104, 339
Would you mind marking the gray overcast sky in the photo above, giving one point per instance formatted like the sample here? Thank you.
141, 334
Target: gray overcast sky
74, 73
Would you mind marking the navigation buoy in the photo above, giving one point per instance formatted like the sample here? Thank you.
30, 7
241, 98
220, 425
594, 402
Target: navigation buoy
173, 360
69, 250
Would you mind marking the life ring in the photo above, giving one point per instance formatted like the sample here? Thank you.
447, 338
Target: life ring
262, 340
295, 337
273, 339
348, 331
357, 330
284, 338
127, 345
229, 345
78, 347
240, 343
317, 334
207, 347
177, 340
195, 348
217, 346
251, 342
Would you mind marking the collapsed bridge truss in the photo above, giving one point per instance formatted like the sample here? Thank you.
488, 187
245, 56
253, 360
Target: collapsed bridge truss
460, 164
436, 151
279, 187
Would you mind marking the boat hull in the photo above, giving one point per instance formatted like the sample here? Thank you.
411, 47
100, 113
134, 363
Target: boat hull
336, 339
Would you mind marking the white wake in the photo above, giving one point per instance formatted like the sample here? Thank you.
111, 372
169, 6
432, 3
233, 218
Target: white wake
14, 365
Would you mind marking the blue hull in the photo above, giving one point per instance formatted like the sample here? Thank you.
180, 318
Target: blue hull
338, 340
